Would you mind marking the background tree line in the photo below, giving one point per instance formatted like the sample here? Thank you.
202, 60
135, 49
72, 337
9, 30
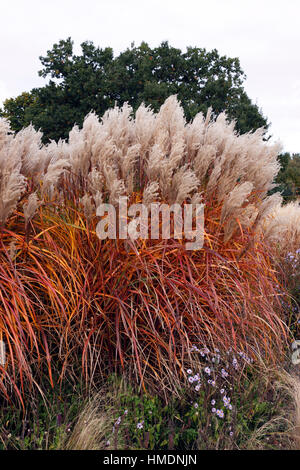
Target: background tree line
97, 80
288, 178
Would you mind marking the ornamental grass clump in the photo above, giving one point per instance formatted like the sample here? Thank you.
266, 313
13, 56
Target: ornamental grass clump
69, 299
283, 227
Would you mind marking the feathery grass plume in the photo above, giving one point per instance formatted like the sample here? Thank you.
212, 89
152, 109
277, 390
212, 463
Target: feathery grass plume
151, 193
119, 126
294, 382
12, 249
184, 183
12, 186
57, 151
30, 207
154, 163
101, 146
90, 130
169, 124
201, 147
90, 430
229, 156
5, 133
88, 206
224, 160
12, 183
128, 166
296, 395
267, 207
290, 382
233, 209
10, 160
169, 139
95, 183
283, 226
260, 436
197, 198
144, 130
236, 199
247, 216
28, 145
105, 152
194, 136
79, 156
96, 425
114, 185
82, 143
214, 135
56, 169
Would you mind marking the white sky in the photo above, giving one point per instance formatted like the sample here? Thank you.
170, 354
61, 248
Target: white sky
264, 34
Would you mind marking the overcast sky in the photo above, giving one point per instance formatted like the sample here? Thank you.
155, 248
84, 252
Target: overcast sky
264, 34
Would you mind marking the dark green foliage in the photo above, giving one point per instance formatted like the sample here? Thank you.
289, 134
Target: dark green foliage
16, 109
178, 425
45, 422
182, 426
288, 178
96, 80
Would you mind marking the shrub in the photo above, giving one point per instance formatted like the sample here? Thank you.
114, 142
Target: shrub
68, 297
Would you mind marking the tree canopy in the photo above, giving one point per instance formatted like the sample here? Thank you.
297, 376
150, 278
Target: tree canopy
288, 178
96, 80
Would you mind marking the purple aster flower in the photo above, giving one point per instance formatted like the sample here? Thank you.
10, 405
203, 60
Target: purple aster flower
226, 401
224, 373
